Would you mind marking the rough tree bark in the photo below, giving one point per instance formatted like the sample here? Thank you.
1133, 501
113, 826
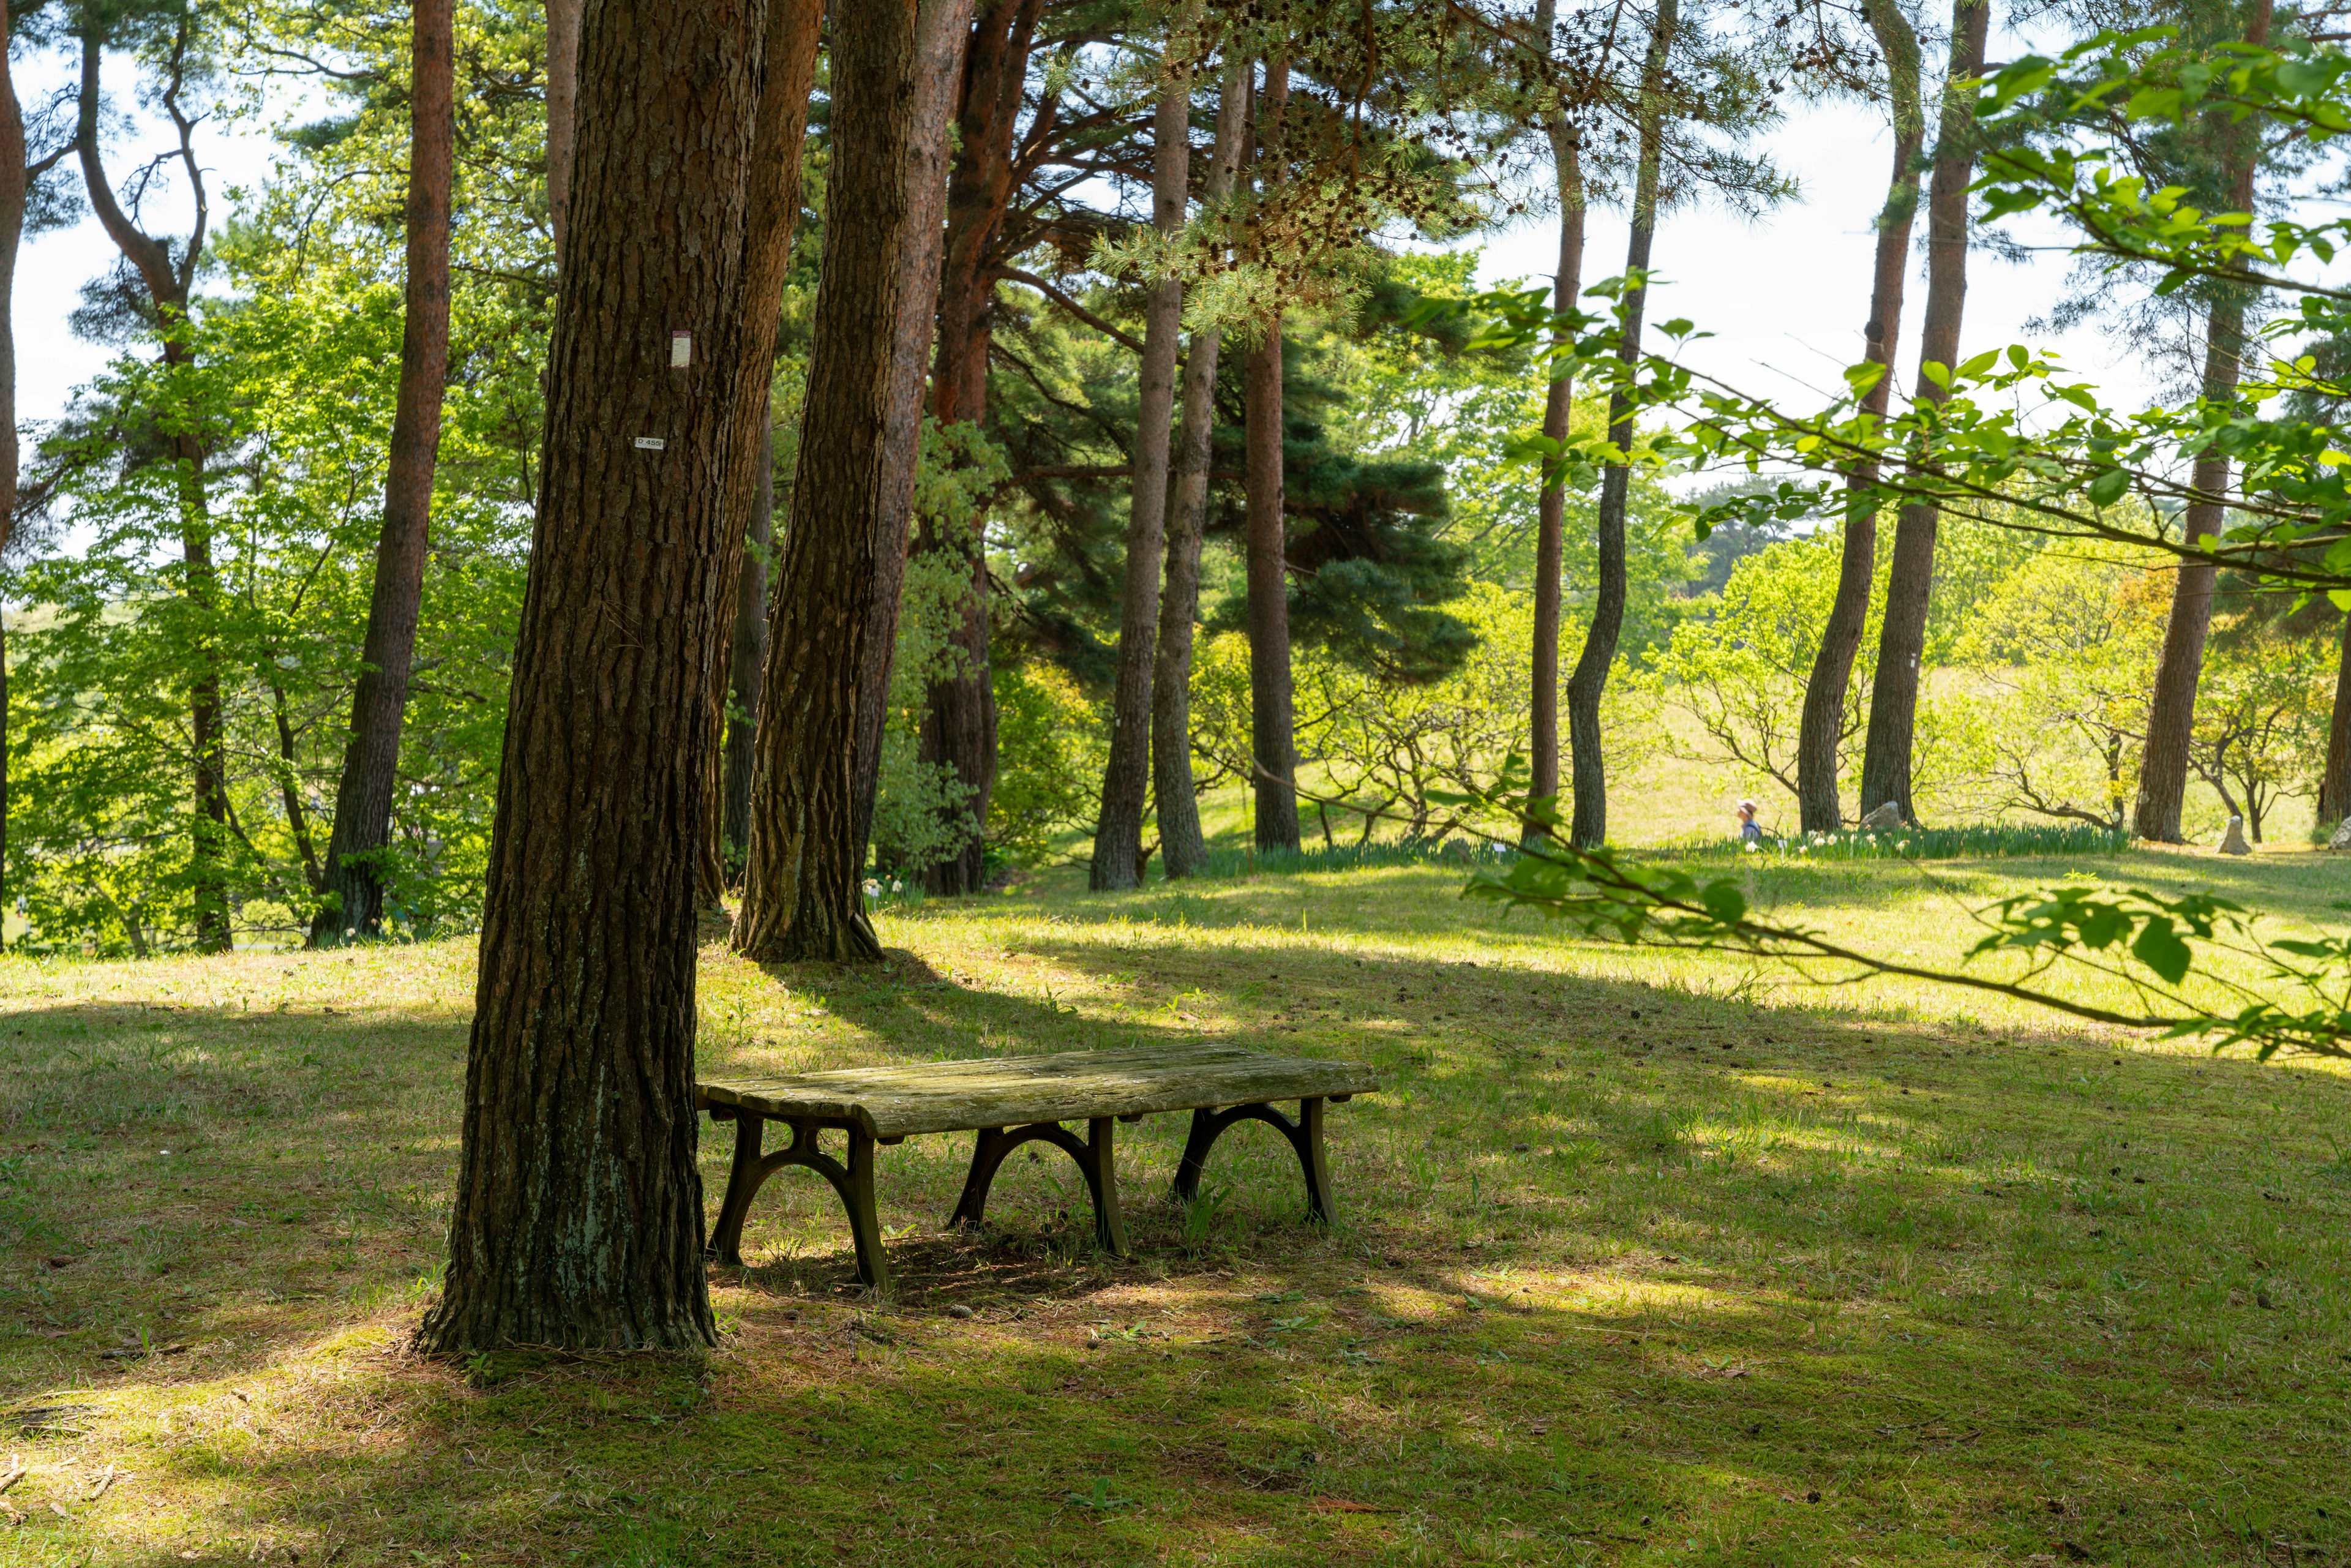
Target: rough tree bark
352, 881
168, 280
578, 1220
1588, 826
562, 104
1559, 413
2171, 708
1126, 779
1886, 753
1182, 846
944, 34
2334, 784
772, 208
959, 712
802, 897
748, 672
1822, 728
1273, 742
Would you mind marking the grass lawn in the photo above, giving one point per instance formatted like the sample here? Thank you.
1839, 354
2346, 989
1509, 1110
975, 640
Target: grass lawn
1643, 1257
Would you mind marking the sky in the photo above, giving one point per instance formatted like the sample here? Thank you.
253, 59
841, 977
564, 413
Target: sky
1785, 295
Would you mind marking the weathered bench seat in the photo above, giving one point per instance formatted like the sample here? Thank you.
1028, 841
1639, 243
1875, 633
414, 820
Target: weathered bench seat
1010, 1101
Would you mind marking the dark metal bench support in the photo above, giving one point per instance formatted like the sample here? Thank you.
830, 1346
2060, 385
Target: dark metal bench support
1093, 1157
854, 1182
1305, 1136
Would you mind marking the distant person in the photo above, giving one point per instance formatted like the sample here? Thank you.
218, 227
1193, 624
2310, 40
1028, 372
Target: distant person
1750, 831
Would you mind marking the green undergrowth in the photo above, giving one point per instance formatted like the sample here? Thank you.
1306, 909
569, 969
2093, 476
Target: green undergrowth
1642, 1258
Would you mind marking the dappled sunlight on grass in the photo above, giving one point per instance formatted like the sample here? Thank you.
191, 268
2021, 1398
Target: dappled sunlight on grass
1643, 1257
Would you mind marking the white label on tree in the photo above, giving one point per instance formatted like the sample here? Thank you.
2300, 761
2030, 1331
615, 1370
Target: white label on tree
681, 350
651, 444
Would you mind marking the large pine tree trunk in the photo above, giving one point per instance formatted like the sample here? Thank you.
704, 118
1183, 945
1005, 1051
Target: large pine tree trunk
802, 897
352, 878
562, 105
958, 726
1182, 846
2171, 708
1551, 508
168, 272
1126, 780
943, 39
772, 205
1273, 741
579, 1210
1588, 827
1822, 730
1886, 754
749, 673
2334, 784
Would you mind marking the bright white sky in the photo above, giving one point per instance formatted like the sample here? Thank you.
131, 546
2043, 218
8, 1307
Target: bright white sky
1785, 295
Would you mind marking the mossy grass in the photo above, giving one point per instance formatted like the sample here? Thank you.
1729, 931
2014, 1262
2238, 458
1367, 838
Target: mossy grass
1643, 1257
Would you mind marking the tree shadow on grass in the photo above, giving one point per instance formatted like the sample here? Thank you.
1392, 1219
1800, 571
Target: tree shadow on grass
2017, 1305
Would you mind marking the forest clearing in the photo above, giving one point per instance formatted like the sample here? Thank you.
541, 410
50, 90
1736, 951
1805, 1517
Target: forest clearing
1636, 1262
1602, 750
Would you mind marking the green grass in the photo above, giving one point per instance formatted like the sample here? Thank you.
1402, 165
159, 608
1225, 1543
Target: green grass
1644, 1258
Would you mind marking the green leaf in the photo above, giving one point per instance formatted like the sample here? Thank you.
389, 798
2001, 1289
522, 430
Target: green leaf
2159, 948
1724, 901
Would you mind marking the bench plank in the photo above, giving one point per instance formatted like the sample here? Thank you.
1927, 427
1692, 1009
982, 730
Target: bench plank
894, 1103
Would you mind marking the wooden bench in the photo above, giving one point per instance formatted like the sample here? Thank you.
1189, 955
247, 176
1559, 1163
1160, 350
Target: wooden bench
1010, 1101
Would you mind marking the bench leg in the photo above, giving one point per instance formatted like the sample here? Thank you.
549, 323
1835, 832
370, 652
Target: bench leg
853, 1183
1092, 1157
1305, 1136
743, 1179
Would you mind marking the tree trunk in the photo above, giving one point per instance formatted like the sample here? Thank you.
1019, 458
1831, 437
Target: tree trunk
749, 673
2171, 708
1910, 579
578, 1220
14, 191
1821, 732
1551, 509
1126, 780
944, 36
1588, 827
772, 206
802, 897
958, 726
168, 278
1182, 846
562, 100
2334, 785
1273, 744
353, 901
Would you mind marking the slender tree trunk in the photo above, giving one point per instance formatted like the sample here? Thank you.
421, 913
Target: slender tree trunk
1886, 754
1126, 781
2335, 783
578, 1209
1551, 508
14, 191
168, 276
2171, 708
749, 670
353, 901
944, 36
1588, 827
773, 205
1821, 732
562, 100
800, 888
1273, 742
1182, 846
